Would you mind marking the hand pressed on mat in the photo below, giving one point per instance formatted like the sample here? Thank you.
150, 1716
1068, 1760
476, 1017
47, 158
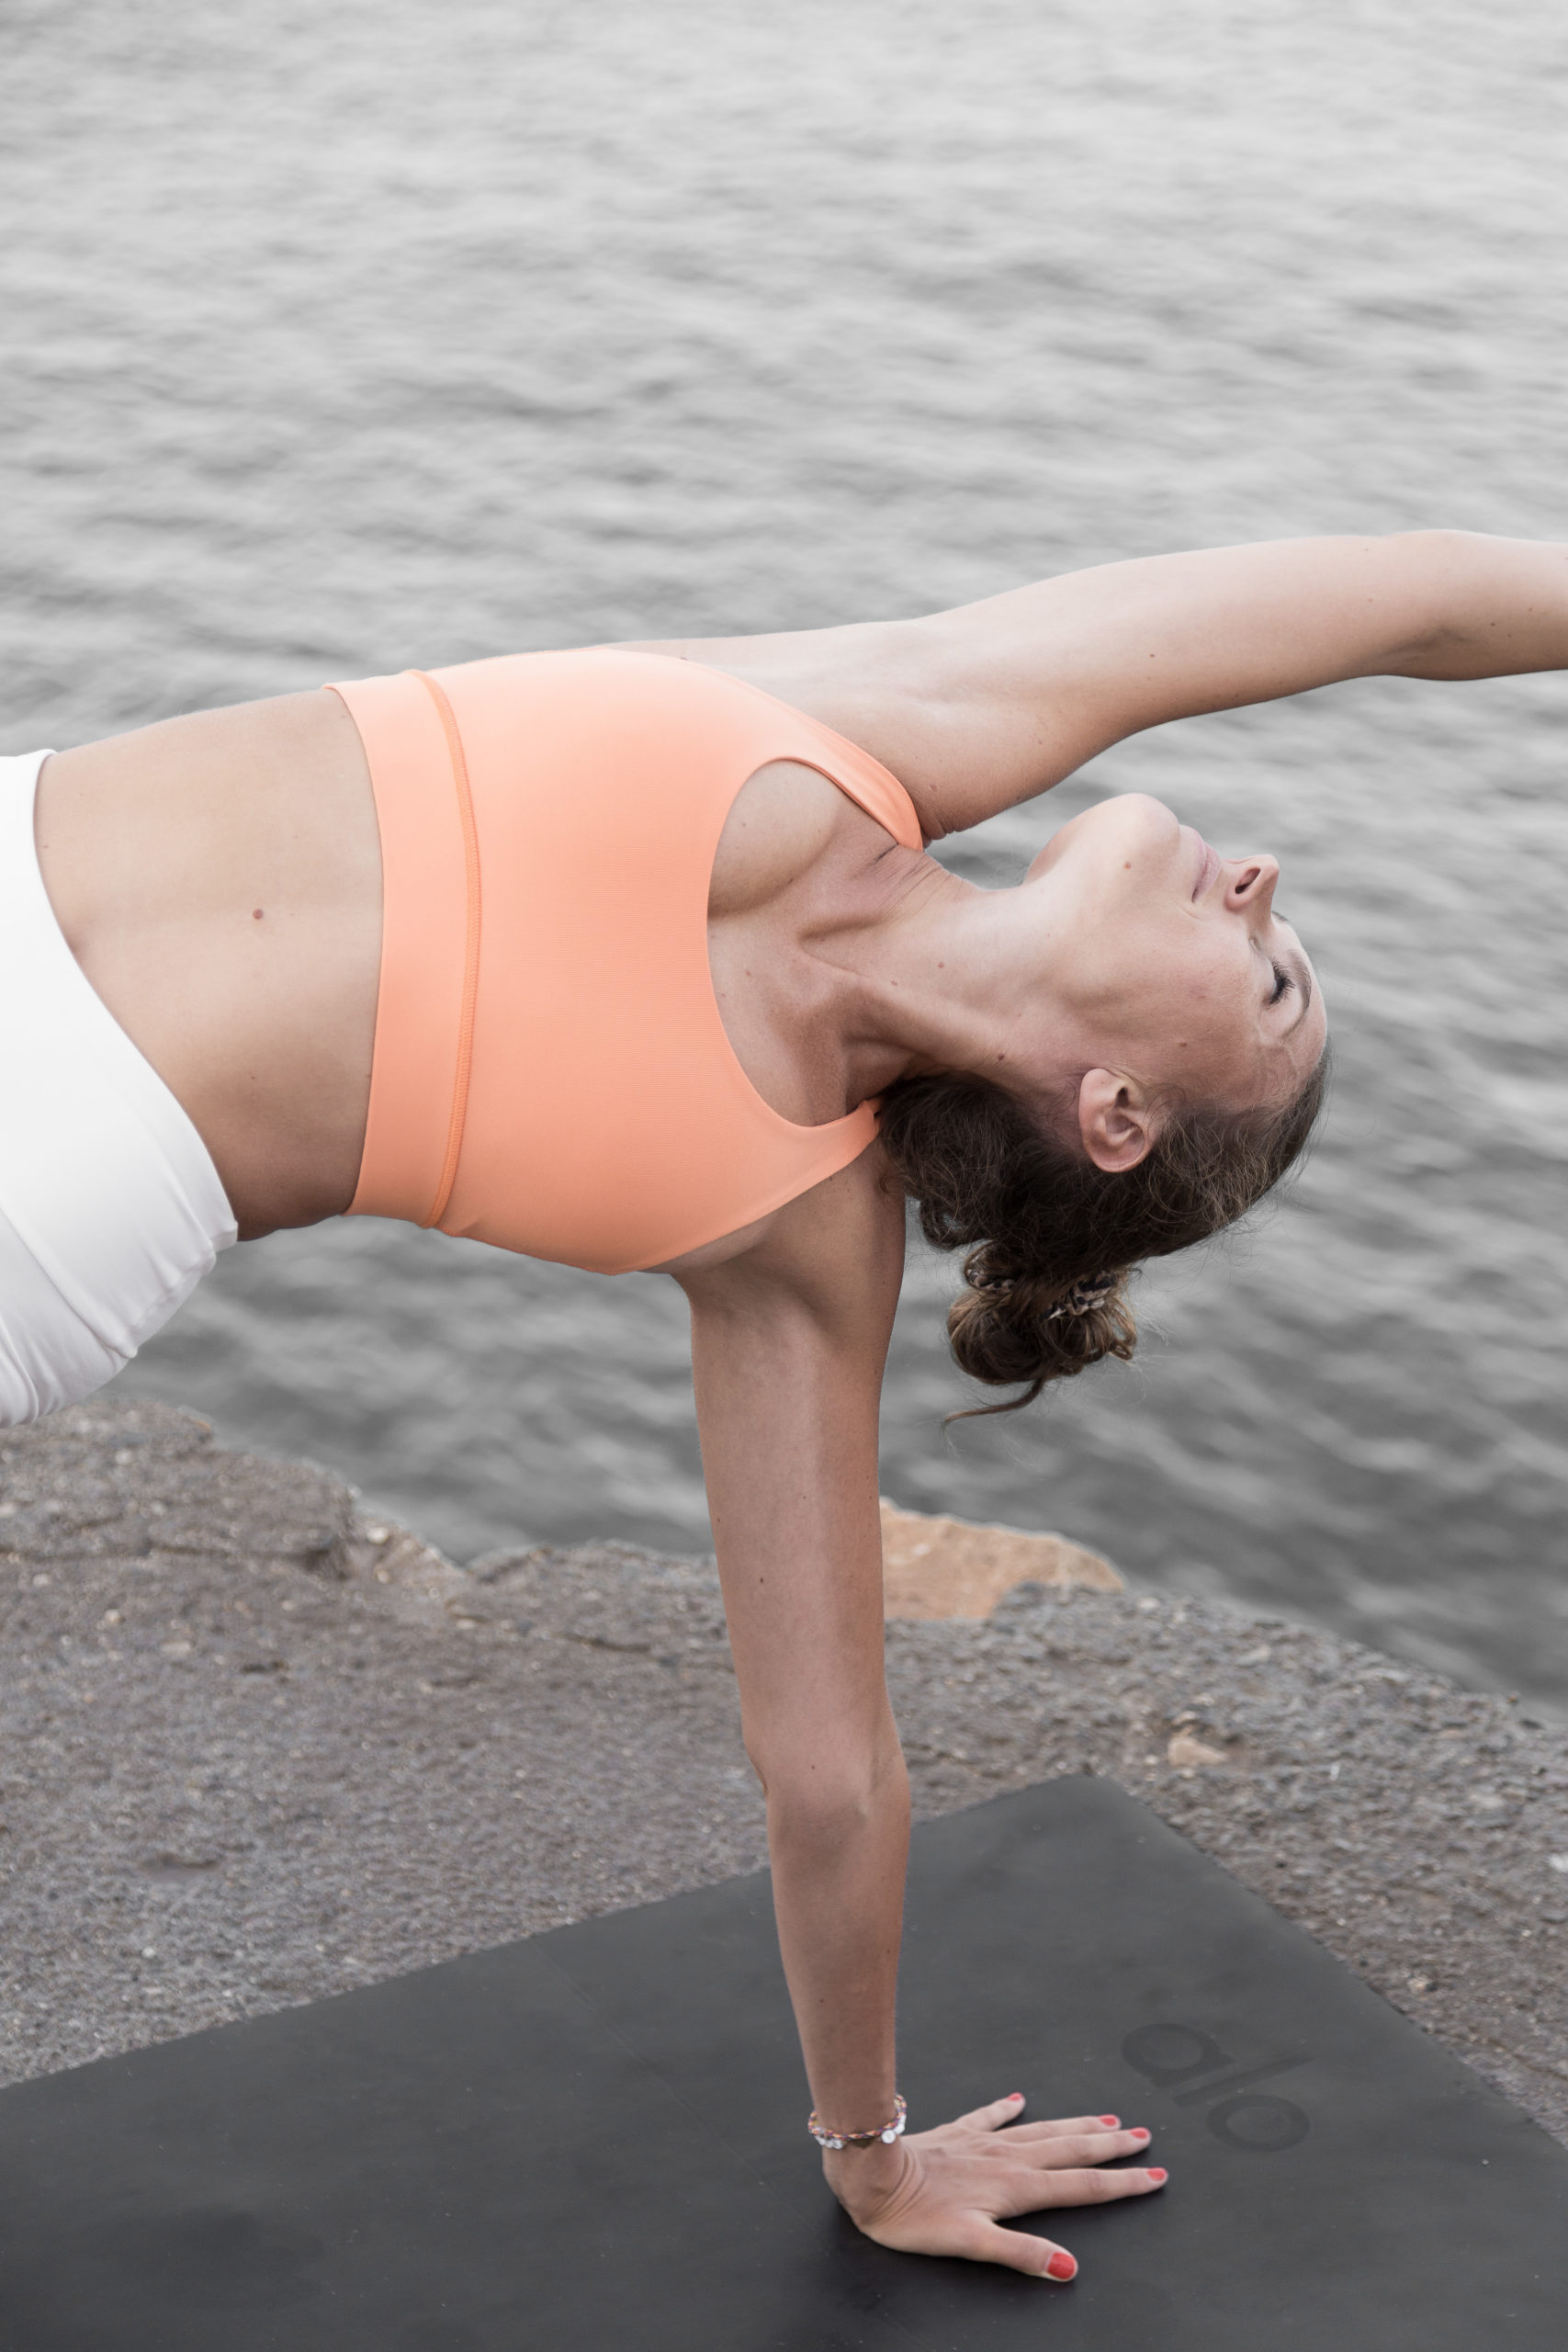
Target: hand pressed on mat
946, 2191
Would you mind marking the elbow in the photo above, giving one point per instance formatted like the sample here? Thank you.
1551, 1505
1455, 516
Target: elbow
1434, 594
832, 1800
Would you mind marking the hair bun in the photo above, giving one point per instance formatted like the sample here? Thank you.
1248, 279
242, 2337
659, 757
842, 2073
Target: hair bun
1085, 1296
1010, 1325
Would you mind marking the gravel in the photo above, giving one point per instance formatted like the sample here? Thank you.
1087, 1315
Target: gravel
255, 1748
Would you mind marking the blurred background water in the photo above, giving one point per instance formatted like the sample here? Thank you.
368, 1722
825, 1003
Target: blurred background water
340, 338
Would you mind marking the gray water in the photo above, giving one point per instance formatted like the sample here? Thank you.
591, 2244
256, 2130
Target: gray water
340, 338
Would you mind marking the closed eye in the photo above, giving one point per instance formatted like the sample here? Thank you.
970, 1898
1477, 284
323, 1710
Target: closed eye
1282, 981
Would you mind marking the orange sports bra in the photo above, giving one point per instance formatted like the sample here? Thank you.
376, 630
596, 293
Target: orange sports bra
551, 1071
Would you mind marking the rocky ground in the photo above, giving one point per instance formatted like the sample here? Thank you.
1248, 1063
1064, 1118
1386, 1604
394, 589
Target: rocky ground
254, 1749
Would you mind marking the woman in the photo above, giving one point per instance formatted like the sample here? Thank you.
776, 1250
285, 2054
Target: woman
608, 956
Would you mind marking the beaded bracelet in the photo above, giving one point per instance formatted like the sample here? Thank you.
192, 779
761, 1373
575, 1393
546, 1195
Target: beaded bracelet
885, 2132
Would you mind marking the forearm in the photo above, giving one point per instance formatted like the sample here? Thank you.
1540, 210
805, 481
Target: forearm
1041, 679
839, 1899
1169, 635
1297, 613
798, 1537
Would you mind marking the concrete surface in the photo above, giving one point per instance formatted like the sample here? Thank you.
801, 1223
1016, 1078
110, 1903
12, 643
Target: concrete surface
254, 1749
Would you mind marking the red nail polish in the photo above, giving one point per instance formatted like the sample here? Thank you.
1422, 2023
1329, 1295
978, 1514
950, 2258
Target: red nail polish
1110, 2121
1015, 2094
1139, 2132
1060, 2266
1158, 2172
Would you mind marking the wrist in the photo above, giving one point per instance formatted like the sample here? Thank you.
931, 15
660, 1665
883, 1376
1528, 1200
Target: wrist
863, 2178
826, 2136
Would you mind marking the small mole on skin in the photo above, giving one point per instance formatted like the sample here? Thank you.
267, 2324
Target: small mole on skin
255, 914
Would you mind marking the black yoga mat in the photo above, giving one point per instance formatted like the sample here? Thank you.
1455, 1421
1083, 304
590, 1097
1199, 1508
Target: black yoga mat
596, 2138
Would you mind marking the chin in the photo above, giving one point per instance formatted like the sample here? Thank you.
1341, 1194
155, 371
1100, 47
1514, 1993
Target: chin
1131, 827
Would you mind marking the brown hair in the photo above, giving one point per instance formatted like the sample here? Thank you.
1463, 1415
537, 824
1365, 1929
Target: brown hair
1051, 1238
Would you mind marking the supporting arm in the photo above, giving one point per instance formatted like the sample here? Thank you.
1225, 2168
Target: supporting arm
788, 1344
787, 1353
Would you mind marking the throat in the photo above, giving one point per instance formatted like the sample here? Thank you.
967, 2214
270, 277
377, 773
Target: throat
787, 1018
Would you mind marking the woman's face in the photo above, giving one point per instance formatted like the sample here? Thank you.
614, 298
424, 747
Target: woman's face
1173, 964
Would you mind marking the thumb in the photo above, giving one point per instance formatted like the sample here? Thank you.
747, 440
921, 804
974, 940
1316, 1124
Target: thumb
1017, 2250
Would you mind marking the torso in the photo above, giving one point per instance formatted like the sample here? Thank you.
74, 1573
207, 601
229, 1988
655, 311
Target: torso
218, 879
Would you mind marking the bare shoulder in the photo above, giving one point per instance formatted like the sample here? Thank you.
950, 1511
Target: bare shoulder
877, 684
927, 697
836, 1255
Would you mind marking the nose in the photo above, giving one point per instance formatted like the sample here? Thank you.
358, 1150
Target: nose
1250, 884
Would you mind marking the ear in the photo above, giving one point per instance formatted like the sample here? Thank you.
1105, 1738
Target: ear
1114, 1121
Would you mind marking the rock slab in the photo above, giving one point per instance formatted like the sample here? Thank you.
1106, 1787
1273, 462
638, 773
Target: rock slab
949, 1567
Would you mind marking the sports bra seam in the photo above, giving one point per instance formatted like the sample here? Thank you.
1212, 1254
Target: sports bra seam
472, 915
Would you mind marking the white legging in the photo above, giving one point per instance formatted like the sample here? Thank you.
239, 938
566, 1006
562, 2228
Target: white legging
110, 1207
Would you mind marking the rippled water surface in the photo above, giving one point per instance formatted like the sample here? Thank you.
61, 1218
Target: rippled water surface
345, 337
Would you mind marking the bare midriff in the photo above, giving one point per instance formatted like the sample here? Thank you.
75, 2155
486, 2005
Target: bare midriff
219, 880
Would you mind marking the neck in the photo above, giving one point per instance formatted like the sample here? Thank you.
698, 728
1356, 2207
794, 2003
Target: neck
933, 985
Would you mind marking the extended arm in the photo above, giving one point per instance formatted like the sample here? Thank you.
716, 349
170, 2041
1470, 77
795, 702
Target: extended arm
986, 706
788, 1344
